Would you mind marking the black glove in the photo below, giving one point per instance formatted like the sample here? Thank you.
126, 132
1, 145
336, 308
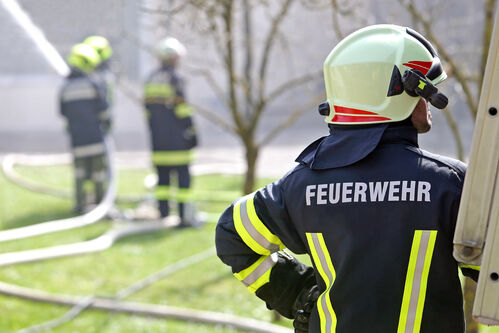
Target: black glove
303, 307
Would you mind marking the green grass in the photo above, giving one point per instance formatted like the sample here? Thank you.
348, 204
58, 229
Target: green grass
208, 285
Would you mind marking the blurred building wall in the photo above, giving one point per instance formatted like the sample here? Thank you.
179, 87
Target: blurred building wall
29, 119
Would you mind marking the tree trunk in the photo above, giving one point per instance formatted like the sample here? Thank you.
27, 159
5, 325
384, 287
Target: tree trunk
469, 297
251, 158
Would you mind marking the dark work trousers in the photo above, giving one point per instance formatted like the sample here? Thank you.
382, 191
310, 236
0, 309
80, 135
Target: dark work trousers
90, 180
165, 174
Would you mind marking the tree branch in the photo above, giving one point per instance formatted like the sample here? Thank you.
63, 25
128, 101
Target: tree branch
269, 41
487, 34
214, 118
175, 10
336, 21
297, 113
451, 121
248, 61
229, 61
291, 84
208, 76
458, 73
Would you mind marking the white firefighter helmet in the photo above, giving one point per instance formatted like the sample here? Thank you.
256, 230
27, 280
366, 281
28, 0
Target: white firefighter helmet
170, 50
363, 75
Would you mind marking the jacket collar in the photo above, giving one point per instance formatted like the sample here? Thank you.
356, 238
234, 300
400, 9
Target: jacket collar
347, 145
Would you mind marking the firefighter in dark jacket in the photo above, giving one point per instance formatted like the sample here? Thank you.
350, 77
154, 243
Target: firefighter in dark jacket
102, 75
173, 135
374, 212
82, 104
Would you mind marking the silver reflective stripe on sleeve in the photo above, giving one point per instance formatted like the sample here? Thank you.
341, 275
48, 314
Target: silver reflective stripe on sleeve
258, 273
79, 91
253, 232
89, 150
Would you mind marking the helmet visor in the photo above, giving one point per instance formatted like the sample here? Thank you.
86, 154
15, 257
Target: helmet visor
436, 73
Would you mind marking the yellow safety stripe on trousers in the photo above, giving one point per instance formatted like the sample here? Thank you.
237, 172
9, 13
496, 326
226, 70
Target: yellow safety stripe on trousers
88, 186
183, 110
162, 192
416, 281
324, 265
252, 230
184, 195
173, 157
258, 273
159, 90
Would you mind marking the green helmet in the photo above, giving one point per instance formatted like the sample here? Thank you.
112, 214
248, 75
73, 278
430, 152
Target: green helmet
101, 45
83, 57
363, 75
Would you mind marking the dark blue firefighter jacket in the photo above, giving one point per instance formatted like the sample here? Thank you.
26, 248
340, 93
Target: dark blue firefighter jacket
170, 118
376, 215
82, 104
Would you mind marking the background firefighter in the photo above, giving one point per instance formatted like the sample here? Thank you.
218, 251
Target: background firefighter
82, 104
375, 213
173, 135
103, 75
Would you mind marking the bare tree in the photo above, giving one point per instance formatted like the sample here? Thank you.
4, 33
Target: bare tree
245, 92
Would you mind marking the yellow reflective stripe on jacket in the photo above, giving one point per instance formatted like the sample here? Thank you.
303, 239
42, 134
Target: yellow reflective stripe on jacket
324, 265
411, 312
161, 90
174, 157
183, 110
162, 192
258, 273
252, 230
184, 195
476, 268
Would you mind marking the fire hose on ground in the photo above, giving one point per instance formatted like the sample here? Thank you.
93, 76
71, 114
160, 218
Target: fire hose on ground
103, 242
115, 304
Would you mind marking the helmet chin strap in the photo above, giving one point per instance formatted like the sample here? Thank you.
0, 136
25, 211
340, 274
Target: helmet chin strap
416, 84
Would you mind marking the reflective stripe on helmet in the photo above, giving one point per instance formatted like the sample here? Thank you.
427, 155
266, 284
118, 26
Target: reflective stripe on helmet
252, 230
258, 273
